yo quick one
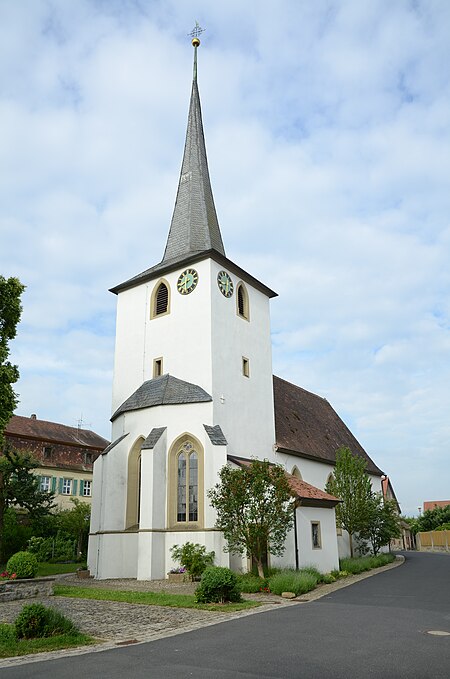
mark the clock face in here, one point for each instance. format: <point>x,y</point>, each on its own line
<point>187,281</point>
<point>225,283</point>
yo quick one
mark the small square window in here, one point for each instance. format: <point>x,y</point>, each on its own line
<point>315,535</point>
<point>245,367</point>
<point>88,458</point>
<point>67,487</point>
<point>157,367</point>
<point>87,488</point>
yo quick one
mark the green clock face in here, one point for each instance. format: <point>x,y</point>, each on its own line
<point>187,281</point>
<point>225,283</point>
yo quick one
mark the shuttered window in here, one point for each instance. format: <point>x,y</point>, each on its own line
<point>162,299</point>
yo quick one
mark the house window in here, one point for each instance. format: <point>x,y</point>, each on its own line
<point>157,367</point>
<point>48,450</point>
<point>186,482</point>
<point>245,367</point>
<point>67,487</point>
<point>88,458</point>
<point>87,488</point>
<point>242,302</point>
<point>44,484</point>
<point>160,300</point>
<point>315,535</point>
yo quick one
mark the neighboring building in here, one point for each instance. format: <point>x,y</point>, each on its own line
<point>432,504</point>
<point>66,455</point>
<point>406,540</point>
<point>193,391</point>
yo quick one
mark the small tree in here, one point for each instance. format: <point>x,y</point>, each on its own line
<point>351,484</point>
<point>11,290</point>
<point>75,522</point>
<point>19,487</point>
<point>254,508</point>
<point>383,522</point>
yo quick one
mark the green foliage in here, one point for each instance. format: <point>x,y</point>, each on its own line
<point>431,519</point>
<point>16,532</point>
<point>193,557</point>
<point>11,290</point>
<point>254,509</point>
<point>218,585</point>
<point>75,523</point>
<point>287,580</point>
<point>365,563</point>
<point>53,549</point>
<point>251,584</point>
<point>382,522</point>
<point>23,564</point>
<point>351,484</point>
<point>445,526</point>
<point>19,487</point>
<point>35,620</point>
<point>7,634</point>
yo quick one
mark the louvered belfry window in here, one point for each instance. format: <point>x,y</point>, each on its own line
<point>162,300</point>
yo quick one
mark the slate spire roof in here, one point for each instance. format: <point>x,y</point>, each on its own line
<point>194,227</point>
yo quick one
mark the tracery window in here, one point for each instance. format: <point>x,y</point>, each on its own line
<point>187,487</point>
<point>186,482</point>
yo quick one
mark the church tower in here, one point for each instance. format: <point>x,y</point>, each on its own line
<point>192,384</point>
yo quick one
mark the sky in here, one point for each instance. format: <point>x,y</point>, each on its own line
<point>327,126</point>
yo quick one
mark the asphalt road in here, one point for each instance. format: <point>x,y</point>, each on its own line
<point>378,627</point>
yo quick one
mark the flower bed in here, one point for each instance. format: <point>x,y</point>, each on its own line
<point>12,590</point>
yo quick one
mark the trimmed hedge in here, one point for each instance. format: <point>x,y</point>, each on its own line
<point>23,564</point>
<point>218,585</point>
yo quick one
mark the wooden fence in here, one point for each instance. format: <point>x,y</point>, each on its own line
<point>434,541</point>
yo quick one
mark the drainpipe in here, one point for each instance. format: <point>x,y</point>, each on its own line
<point>296,537</point>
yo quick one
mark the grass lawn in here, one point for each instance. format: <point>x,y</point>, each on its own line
<point>149,598</point>
<point>10,646</point>
<point>58,568</point>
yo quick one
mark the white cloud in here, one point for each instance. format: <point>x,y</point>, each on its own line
<point>328,133</point>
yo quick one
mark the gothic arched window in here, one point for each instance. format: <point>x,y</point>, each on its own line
<point>134,485</point>
<point>186,482</point>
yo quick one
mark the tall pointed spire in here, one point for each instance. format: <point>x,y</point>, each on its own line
<point>194,226</point>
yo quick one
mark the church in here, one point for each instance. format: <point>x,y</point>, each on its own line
<point>193,391</point>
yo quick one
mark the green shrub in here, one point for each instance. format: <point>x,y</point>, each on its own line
<point>328,578</point>
<point>365,563</point>
<point>35,620</point>
<point>251,584</point>
<point>218,585</point>
<point>7,633</point>
<point>312,570</point>
<point>23,564</point>
<point>193,557</point>
<point>298,582</point>
<point>54,549</point>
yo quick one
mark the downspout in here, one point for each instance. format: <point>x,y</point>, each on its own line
<point>296,505</point>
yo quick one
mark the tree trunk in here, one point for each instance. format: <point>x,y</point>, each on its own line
<point>351,544</point>
<point>259,564</point>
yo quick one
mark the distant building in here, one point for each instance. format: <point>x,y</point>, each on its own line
<point>432,504</point>
<point>65,454</point>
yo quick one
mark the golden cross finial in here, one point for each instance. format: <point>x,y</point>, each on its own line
<point>195,33</point>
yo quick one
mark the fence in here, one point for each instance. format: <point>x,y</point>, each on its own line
<point>434,541</point>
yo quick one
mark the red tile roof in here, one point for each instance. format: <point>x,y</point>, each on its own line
<point>432,504</point>
<point>307,494</point>
<point>306,425</point>
<point>32,428</point>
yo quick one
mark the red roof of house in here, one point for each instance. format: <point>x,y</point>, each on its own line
<point>32,428</point>
<point>307,494</point>
<point>432,504</point>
